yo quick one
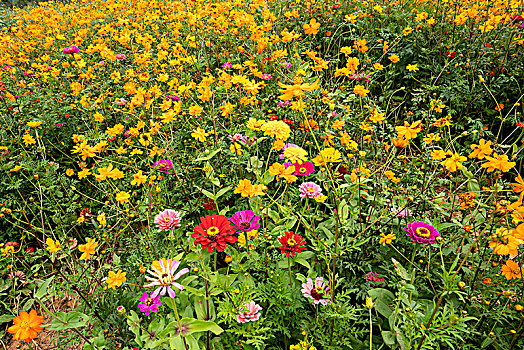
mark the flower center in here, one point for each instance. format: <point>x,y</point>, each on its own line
<point>246,224</point>
<point>317,293</point>
<point>422,232</point>
<point>167,218</point>
<point>311,190</point>
<point>149,302</point>
<point>213,231</point>
<point>25,324</point>
<point>302,170</point>
<point>291,242</point>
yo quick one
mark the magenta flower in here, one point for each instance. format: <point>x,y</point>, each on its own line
<point>250,311</point>
<point>318,292</point>
<point>266,77</point>
<point>167,220</point>
<point>226,65</point>
<point>164,277</point>
<point>374,277</point>
<point>423,233</point>
<point>309,190</point>
<point>70,50</point>
<point>245,221</point>
<point>163,165</point>
<point>305,168</point>
<point>149,304</point>
<point>120,56</point>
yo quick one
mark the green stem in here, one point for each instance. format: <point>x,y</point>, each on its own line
<point>173,303</point>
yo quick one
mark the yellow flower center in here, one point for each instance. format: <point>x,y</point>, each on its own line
<point>422,232</point>
<point>319,290</point>
<point>291,242</point>
<point>213,231</point>
<point>311,190</point>
<point>302,170</point>
<point>167,218</point>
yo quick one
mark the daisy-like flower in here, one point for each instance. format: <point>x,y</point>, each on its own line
<point>26,326</point>
<point>214,231</point>
<point>292,243</point>
<point>70,50</point>
<point>420,232</point>
<point>511,270</point>
<point>309,190</point>
<point>318,291</point>
<point>167,220</point>
<point>163,277</point>
<point>150,304</point>
<point>249,311</point>
<point>116,279</point>
<point>401,213</point>
<point>245,221</point>
<point>305,168</point>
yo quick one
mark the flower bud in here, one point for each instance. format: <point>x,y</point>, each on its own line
<point>121,310</point>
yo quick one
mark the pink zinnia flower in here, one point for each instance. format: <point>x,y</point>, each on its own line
<point>70,50</point>
<point>245,221</point>
<point>309,190</point>
<point>120,57</point>
<point>374,277</point>
<point>318,292</point>
<point>250,311</point>
<point>421,232</point>
<point>167,220</point>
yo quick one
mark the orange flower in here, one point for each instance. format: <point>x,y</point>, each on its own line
<point>26,326</point>
<point>511,270</point>
<point>360,90</point>
<point>518,186</point>
<point>499,162</point>
<point>312,27</point>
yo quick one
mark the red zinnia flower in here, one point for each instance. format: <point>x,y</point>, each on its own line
<point>292,243</point>
<point>214,231</point>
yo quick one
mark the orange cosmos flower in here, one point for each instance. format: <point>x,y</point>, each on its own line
<point>26,326</point>
<point>511,270</point>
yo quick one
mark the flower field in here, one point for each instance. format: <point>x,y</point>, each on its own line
<point>203,174</point>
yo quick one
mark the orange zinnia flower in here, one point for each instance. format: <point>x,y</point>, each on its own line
<point>26,326</point>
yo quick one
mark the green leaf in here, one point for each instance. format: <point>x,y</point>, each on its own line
<point>208,157</point>
<point>473,185</point>
<point>302,262</point>
<point>208,194</point>
<point>6,318</point>
<point>382,298</point>
<point>389,338</point>
<point>401,271</point>
<point>223,191</point>
<point>43,288</point>
<point>195,325</point>
<point>72,319</point>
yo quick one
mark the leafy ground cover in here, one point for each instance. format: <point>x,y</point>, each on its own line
<point>262,175</point>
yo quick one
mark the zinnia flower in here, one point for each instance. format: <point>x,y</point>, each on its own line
<point>70,50</point>
<point>310,190</point>
<point>374,277</point>
<point>245,221</point>
<point>164,277</point>
<point>250,311</point>
<point>318,292</point>
<point>421,232</point>
<point>149,304</point>
<point>26,326</point>
<point>292,243</point>
<point>167,220</point>
<point>305,168</point>
<point>163,166</point>
<point>214,231</point>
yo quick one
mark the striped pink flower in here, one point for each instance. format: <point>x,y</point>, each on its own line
<point>310,190</point>
<point>249,311</point>
<point>167,220</point>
